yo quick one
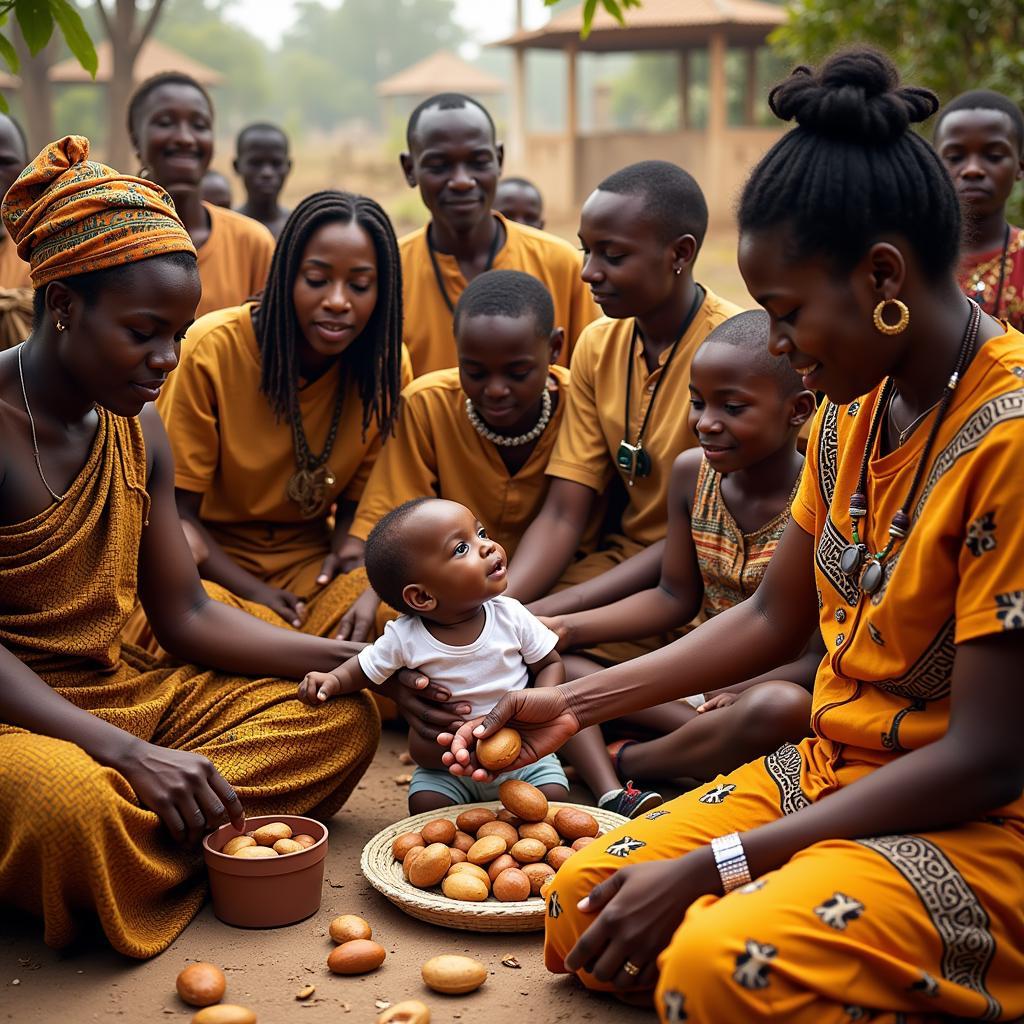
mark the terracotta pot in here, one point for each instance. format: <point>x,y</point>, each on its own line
<point>271,892</point>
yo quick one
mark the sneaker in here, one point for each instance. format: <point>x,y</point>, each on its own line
<point>631,802</point>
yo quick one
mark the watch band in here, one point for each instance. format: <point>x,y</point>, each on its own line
<point>731,861</point>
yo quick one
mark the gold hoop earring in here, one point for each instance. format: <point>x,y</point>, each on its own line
<point>61,326</point>
<point>897,328</point>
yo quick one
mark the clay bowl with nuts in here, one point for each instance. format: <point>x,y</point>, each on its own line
<point>484,866</point>
<point>270,875</point>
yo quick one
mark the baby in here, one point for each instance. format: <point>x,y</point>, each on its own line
<point>433,561</point>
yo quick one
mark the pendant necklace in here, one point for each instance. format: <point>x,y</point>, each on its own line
<point>512,442</point>
<point>855,561</point>
<point>311,483</point>
<point>58,498</point>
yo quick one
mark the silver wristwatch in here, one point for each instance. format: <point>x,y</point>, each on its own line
<point>731,861</point>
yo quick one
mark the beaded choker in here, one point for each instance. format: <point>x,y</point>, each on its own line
<point>512,442</point>
<point>855,561</point>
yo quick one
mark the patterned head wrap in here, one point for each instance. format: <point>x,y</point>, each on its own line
<point>69,215</point>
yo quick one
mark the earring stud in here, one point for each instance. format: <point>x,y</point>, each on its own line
<point>61,326</point>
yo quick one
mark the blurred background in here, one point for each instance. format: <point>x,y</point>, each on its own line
<point>684,80</point>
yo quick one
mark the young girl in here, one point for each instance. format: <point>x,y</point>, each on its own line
<point>170,119</point>
<point>878,867</point>
<point>980,138</point>
<point>728,506</point>
<point>641,230</point>
<point>277,410</point>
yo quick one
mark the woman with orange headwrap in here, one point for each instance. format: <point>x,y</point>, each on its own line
<point>108,764</point>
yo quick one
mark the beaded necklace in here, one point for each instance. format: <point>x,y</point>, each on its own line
<point>512,442</point>
<point>855,561</point>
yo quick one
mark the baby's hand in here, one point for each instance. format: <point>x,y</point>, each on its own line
<point>720,700</point>
<point>318,687</point>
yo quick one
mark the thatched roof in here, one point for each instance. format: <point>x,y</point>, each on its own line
<point>440,72</point>
<point>153,58</point>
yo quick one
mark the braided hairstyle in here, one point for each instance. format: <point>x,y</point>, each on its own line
<point>852,170</point>
<point>148,86</point>
<point>374,359</point>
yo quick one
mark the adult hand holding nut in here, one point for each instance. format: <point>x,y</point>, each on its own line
<point>542,717</point>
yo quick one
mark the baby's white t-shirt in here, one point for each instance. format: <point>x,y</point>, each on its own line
<point>478,673</point>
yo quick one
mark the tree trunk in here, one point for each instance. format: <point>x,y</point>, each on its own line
<point>36,93</point>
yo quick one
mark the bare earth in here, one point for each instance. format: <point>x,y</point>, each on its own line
<point>265,969</point>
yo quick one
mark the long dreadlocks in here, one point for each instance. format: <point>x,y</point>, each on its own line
<point>374,359</point>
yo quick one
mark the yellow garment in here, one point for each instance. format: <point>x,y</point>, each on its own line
<point>73,838</point>
<point>593,427</point>
<point>15,316</point>
<point>428,320</point>
<point>932,923</point>
<point>229,447</point>
<point>70,215</point>
<point>892,929</point>
<point>234,259</point>
<point>437,451</point>
<point>14,271</point>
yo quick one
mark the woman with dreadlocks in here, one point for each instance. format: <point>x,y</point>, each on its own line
<point>277,410</point>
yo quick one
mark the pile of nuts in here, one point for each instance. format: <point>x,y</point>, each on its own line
<point>509,855</point>
<point>273,840</point>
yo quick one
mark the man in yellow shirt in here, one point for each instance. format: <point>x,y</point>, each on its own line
<point>626,417</point>
<point>455,161</point>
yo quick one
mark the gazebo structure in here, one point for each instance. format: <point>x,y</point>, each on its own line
<point>443,71</point>
<point>154,57</point>
<point>718,152</point>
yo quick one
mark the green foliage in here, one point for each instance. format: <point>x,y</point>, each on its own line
<point>615,8</point>
<point>36,19</point>
<point>945,45</point>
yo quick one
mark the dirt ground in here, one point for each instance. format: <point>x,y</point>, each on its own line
<point>265,969</point>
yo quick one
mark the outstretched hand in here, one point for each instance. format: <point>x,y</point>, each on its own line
<point>542,717</point>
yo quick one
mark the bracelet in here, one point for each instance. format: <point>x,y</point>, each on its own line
<point>731,861</point>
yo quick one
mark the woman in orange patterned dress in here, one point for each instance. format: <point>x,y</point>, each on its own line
<point>875,871</point>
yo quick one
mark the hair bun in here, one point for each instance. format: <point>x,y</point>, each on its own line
<point>855,96</point>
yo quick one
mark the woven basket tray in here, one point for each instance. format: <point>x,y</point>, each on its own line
<point>384,873</point>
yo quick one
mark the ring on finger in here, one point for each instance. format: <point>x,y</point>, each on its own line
<point>631,968</point>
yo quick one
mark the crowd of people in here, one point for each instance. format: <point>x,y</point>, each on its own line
<point>474,477</point>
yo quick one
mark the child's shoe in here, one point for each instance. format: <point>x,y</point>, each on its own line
<point>630,802</point>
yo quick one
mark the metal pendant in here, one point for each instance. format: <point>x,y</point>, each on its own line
<point>309,489</point>
<point>851,558</point>
<point>873,577</point>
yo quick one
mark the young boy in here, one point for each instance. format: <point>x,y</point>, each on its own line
<point>728,504</point>
<point>979,136</point>
<point>263,164</point>
<point>433,561</point>
<point>641,231</point>
<point>481,434</point>
<point>455,160</point>
<point>519,200</point>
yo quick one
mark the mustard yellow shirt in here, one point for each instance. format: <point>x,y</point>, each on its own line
<point>428,322</point>
<point>593,427</point>
<point>13,269</point>
<point>234,259</point>
<point>227,444</point>
<point>436,451</point>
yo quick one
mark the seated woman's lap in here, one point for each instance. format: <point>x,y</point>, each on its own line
<point>915,924</point>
